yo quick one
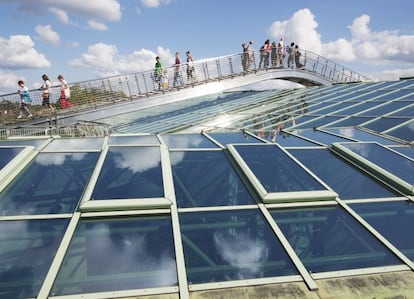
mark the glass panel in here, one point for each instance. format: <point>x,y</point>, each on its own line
<point>351,121</point>
<point>386,159</point>
<point>356,108</point>
<point>319,122</point>
<point>275,170</point>
<point>187,141</point>
<point>408,112</point>
<point>408,151</point>
<point>233,137</point>
<point>329,239</point>
<point>28,142</point>
<point>343,178</point>
<point>361,135</point>
<point>321,137</point>
<point>52,183</point>
<point>130,172</point>
<point>27,249</point>
<point>206,178</point>
<point>384,109</point>
<point>394,220</point>
<point>7,154</point>
<point>383,124</point>
<point>128,140</point>
<point>285,139</point>
<point>75,144</point>
<point>231,245</point>
<point>405,132</point>
<point>118,254</point>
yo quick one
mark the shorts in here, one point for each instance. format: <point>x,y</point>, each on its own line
<point>46,100</point>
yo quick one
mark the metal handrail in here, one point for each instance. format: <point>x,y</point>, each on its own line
<point>91,94</point>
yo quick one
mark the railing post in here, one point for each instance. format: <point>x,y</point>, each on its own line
<point>218,69</point>
<point>145,84</point>
<point>231,66</point>
<point>137,83</point>
<point>206,73</point>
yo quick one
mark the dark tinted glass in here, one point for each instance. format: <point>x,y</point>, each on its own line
<point>27,248</point>
<point>130,172</point>
<point>329,239</point>
<point>7,154</point>
<point>118,254</point>
<point>231,245</point>
<point>343,178</point>
<point>52,183</point>
<point>206,178</point>
<point>275,170</point>
<point>394,220</point>
<point>187,141</point>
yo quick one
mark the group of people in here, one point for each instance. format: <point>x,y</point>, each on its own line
<point>161,73</point>
<point>26,101</point>
<point>272,54</point>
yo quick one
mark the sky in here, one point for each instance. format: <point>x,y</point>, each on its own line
<point>89,39</point>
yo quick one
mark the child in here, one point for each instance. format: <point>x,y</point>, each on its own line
<point>24,100</point>
<point>164,80</point>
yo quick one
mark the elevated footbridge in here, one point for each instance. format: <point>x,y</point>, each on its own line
<point>96,99</point>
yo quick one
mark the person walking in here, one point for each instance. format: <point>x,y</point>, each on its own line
<point>64,93</point>
<point>25,100</point>
<point>281,52</point>
<point>291,55</point>
<point>250,55</point>
<point>178,78</point>
<point>46,94</point>
<point>158,71</point>
<point>297,57</point>
<point>190,68</point>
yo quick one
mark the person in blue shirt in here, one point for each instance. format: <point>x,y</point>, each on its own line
<point>25,100</point>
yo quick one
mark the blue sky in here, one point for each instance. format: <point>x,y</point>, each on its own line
<point>88,39</point>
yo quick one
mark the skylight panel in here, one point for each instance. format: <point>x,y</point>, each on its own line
<point>276,176</point>
<point>396,169</point>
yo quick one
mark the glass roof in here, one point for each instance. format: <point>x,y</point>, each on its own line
<point>227,190</point>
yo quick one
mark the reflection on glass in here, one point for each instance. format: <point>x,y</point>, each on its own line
<point>27,249</point>
<point>329,239</point>
<point>7,154</point>
<point>187,141</point>
<point>206,178</point>
<point>321,137</point>
<point>118,254</point>
<point>394,220</point>
<point>233,137</point>
<point>128,140</point>
<point>348,182</point>
<point>52,183</point>
<point>275,170</point>
<point>359,135</point>
<point>24,142</point>
<point>386,159</point>
<point>75,144</point>
<point>231,245</point>
<point>130,172</point>
<point>405,132</point>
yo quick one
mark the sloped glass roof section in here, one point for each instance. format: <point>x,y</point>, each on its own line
<point>27,248</point>
<point>75,144</point>
<point>329,239</point>
<point>187,141</point>
<point>349,183</point>
<point>130,174</point>
<point>7,154</point>
<point>276,176</point>
<point>394,220</point>
<point>231,245</point>
<point>52,183</point>
<point>397,169</point>
<point>138,253</point>
<point>206,178</point>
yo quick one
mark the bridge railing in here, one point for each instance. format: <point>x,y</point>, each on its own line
<point>110,90</point>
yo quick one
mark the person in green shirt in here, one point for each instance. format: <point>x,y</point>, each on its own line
<point>158,71</point>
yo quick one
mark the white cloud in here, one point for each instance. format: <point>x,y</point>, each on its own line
<point>107,10</point>
<point>47,34</point>
<point>8,82</point>
<point>60,14</point>
<point>97,25</point>
<point>105,60</point>
<point>154,3</point>
<point>367,47</point>
<point>19,52</point>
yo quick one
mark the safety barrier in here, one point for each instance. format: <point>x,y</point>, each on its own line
<point>91,94</point>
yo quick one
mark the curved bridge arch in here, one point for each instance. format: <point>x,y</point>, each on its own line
<point>109,96</point>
